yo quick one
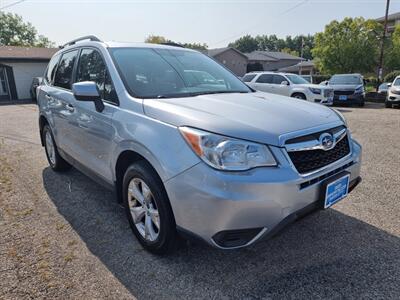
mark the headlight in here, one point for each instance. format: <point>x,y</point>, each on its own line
<point>359,90</point>
<point>225,153</point>
<point>340,115</point>
<point>315,91</point>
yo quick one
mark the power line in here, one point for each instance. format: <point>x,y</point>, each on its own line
<point>12,4</point>
<point>250,28</point>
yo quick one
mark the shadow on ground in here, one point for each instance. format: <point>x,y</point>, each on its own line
<point>327,254</point>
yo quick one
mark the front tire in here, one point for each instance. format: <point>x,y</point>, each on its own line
<point>56,162</point>
<point>148,209</point>
<point>299,96</point>
<point>388,105</point>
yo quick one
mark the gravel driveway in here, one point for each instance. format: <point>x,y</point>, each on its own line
<point>64,236</point>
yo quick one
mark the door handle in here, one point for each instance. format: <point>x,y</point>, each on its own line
<point>70,108</point>
<point>48,97</point>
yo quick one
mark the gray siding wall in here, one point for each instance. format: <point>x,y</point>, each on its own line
<point>233,61</point>
<point>275,65</point>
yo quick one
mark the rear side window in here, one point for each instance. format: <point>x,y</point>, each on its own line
<point>91,67</point>
<point>278,79</point>
<point>63,77</point>
<point>265,78</point>
<point>248,77</point>
<point>51,68</point>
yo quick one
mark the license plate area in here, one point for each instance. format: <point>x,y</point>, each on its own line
<point>342,97</point>
<point>335,189</point>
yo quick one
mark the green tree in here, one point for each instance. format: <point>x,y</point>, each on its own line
<point>15,32</point>
<point>392,54</point>
<point>245,44</point>
<point>158,39</point>
<point>348,46</point>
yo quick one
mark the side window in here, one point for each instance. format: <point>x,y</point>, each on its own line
<point>63,76</point>
<point>248,77</point>
<point>278,79</point>
<point>51,68</point>
<point>265,78</point>
<point>91,67</point>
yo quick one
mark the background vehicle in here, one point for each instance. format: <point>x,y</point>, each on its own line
<point>308,78</point>
<point>383,88</point>
<point>288,84</point>
<point>190,153</point>
<point>393,94</point>
<point>36,81</point>
<point>348,89</point>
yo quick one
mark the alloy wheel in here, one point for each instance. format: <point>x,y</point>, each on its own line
<point>143,209</point>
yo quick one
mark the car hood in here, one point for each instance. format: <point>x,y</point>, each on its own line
<point>344,87</point>
<point>311,85</point>
<point>259,117</point>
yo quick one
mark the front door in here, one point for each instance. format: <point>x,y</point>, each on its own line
<point>4,90</point>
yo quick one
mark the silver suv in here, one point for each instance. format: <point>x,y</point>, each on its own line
<point>189,149</point>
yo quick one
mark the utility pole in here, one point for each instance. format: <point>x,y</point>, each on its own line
<point>382,46</point>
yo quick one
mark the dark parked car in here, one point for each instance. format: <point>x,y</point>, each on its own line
<point>36,81</point>
<point>348,89</point>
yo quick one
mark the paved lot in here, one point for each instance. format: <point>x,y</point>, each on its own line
<point>64,235</point>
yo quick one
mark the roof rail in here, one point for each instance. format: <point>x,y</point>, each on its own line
<point>87,37</point>
<point>172,44</point>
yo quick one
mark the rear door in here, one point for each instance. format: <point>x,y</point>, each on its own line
<point>61,100</point>
<point>264,83</point>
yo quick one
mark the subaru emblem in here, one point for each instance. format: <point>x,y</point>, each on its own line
<point>327,141</point>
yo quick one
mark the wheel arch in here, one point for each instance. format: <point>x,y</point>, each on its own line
<point>42,122</point>
<point>126,158</point>
<point>298,93</point>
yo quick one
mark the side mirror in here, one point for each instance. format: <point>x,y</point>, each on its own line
<point>285,82</point>
<point>389,84</point>
<point>88,91</point>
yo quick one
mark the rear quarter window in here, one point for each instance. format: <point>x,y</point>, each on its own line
<point>248,77</point>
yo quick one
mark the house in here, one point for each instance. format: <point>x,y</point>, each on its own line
<point>270,60</point>
<point>302,68</point>
<point>233,59</point>
<point>392,21</point>
<point>18,66</point>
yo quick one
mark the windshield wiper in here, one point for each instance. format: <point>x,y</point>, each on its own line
<point>218,92</point>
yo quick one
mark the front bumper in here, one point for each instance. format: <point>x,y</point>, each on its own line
<point>350,99</point>
<point>211,204</point>
<point>393,98</point>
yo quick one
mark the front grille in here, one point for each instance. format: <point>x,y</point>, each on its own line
<point>337,93</point>
<point>328,93</point>
<point>310,160</point>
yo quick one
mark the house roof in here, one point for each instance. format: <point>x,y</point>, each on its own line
<point>271,56</point>
<point>296,67</point>
<point>217,51</point>
<point>391,17</point>
<point>26,53</point>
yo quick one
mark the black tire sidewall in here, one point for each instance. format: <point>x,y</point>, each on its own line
<point>46,129</point>
<point>166,239</point>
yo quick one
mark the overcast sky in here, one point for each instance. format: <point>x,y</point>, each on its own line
<point>213,22</point>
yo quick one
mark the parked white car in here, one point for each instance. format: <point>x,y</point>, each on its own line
<point>393,94</point>
<point>288,84</point>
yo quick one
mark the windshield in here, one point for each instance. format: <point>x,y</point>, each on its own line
<point>345,79</point>
<point>296,79</point>
<point>383,86</point>
<point>397,81</point>
<point>166,73</point>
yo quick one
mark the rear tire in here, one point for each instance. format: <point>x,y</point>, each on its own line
<point>148,209</point>
<point>299,96</point>
<point>56,162</point>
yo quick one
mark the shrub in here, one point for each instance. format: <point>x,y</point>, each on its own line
<point>317,79</point>
<point>391,76</point>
